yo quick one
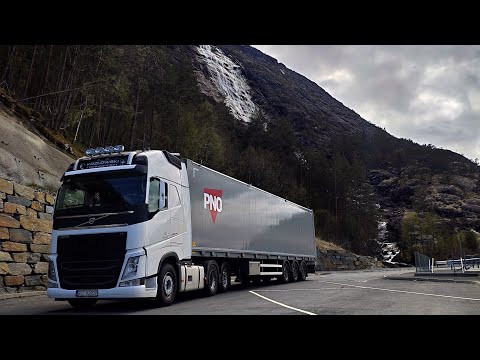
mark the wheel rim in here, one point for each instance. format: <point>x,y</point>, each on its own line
<point>225,279</point>
<point>295,271</point>
<point>212,280</point>
<point>285,272</point>
<point>303,270</point>
<point>168,284</point>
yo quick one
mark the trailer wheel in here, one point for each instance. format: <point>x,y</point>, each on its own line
<point>303,270</point>
<point>285,278</point>
<point>295,271</point>
<point>211,271</point>
<point>224,283</point>
<point>166,285</point>
<point>82,304</point>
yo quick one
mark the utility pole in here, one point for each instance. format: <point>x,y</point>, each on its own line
<point>461,258</point>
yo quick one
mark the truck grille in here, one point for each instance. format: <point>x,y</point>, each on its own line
<point>91,261</point>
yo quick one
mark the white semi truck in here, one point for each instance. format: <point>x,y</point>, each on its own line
<point>147,224</point>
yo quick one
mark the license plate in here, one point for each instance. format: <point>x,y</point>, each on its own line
<point>87,293</point>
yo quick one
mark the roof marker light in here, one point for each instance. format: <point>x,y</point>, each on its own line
<point>99,151</point>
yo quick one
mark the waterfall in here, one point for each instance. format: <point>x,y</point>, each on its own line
<point>228,79</point>
<point>389,249</point>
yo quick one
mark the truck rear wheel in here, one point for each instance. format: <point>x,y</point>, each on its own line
<point>82,304</point>
<point>303,270</point>
<point>285,277</point>
<point>211,271</point>
<point>224,283</point>
<point>166,285</point>
<point>295,271</point>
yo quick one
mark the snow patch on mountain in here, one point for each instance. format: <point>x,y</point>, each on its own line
<point>228,79</point>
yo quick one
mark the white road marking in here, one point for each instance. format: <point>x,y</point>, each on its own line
<point>273,290</point>
<point>400,291</point>
<point>279,303</point>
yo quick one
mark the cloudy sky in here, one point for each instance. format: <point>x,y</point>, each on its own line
<point>430,94</point>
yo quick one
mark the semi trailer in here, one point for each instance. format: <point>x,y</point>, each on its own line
<point>149,224</point>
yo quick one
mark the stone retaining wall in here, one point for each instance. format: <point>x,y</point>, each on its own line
<point>344,260</point>
<point>25,237</point>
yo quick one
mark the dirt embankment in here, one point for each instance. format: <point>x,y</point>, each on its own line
<point>26,158</point>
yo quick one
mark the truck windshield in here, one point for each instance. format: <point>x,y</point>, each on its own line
<point>100,193</point>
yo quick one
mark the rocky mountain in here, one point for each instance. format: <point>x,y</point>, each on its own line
<point>413,176</point>
<point>242,112</point>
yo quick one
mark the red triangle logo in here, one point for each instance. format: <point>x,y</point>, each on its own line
<point>216,193</point>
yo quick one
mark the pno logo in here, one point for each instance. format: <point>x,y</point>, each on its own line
<point>212,198</point>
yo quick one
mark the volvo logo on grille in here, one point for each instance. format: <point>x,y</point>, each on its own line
<point>91,221</point>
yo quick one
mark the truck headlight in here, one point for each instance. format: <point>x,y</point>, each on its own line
<point>131,268</point>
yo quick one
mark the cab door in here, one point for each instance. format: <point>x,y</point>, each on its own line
<point>177,221</point>
<point>159,227</point>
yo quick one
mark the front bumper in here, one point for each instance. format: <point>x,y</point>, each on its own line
<point>115,293</point>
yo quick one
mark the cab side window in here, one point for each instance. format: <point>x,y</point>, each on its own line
<point>154,195</point>
<point>163,195</point>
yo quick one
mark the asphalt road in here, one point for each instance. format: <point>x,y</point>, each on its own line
<point>336,293</point>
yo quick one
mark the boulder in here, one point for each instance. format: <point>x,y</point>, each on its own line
<point>14,280</point>
<point>32,224</point>
<point>4,234</point>
<point>13,246</point>
<point>20,235</point>
<point>23,191</point>
<point>40,197</point>
<point>11,208</point>
<point>8,221</point>
<point>19,200</point>
<point>37,206</point>
<point>19,269</point>
<point>6,186</point>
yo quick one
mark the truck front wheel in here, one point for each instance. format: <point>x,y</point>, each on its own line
<point>166,285</point>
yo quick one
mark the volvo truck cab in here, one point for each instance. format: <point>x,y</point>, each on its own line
<point>118,215</point>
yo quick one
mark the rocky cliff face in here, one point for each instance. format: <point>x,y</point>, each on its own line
<point>453,197</point>
<point>281,92</point>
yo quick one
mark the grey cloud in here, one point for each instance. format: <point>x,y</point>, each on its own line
<point>430,94</point>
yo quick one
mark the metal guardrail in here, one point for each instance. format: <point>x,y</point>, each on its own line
<point>463,263</point>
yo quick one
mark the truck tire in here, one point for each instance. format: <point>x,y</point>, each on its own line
<point>167,285</point>
<point>285,277</point>
<point>82,304</point>
<point>303,270</point>
<point>211,274</point>
<point>295,271</point>
<point>224,283</point>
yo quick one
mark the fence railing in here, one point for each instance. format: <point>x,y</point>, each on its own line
<point>461,263</point>
<point>423,263</point>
